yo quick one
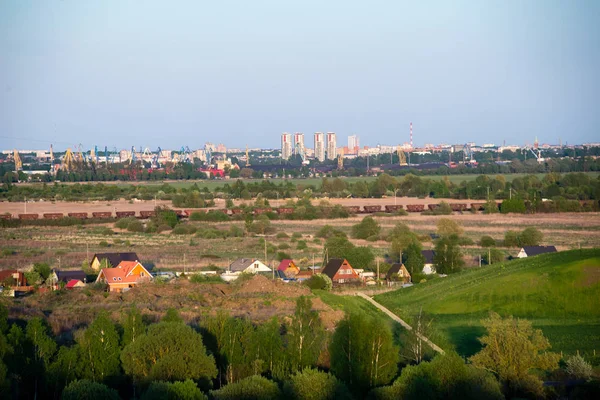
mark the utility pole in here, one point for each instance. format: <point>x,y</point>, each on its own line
<point>510,193</point>
<point>480,261</point>
<point>489,256</point>
<point>184,263</point>
<point>488,193</point>
<point>25,205</point>
<point>378,271</point>
<point>87,252</point>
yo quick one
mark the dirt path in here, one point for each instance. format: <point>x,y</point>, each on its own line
<point>401,322</point>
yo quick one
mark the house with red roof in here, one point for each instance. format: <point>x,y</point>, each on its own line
<point>126,275</point>
<point>289,268</point>
<point>74,283</point>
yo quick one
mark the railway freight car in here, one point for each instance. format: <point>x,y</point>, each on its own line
<point>371,209</point>
<point>79,215</point>
<point>102,214</point>
<point>394,208</point>
<point>147,214</point>
<point>53,215</point>
<point>28,217</point>
<point>123,214</point>
<point>352,209</point>
<point>415,207</point>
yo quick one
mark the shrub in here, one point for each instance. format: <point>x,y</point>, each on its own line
<point>490,207</point>
<point>254,387</point>
<point>88,390</point>
<point>135,226</point>
<point>578,368</point>
<point>184,229</point>
<point>186,390</point>
<point>103,243</point>
<point>319,282</point>
<point>442,209</point>
<point>163,228</point>
<point>367,227</point>
<point>514,205</point>
<point>282,256</point>
<point>301,245</point>
<point>327,231</point>
<point>283,246</point>
<point>124,222</point>
<point>8,252</point>
<point>296,235</point>
<point>530,237</point>
<point>196,216</point>
<point>373,238</point>
<point>306,384</point>
<point>492,256</point>
<point>282,235</point>
<point>511,239</point>
<point>487,241</point>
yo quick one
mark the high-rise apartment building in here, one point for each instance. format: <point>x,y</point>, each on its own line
<point>320,146</point>
<point>298,143</point>
<point>352,142</point>
<point>286,145</point>
<point>331,146</point>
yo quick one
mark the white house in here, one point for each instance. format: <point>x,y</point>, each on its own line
<point>244,265</point>
<point>428,268</point>
<point>529,251</point>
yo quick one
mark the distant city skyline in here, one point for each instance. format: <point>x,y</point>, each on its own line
<point>119,73</point>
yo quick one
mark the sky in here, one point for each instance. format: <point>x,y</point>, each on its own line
<point>122,73</point>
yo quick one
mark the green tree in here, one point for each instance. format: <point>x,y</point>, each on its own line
<point>448,255</point>
<point>43,270</point>
<point>133,326</point>
<point>64,369</point>
<point>266,350</point>
<point>514,205</point>
<point>88,390</point>
<point>252,388</point>
<point>366,228</point>
<point>487,241</point>
<point>530,237</point>
<point>172,315</point>
<point>492,256</point>
<point>169,351</point>
<point>100,350</point>
<point>415,260</point>
<point>186,390</point>
<point>312,384</point>
<point>511,239</point>
<point>44,348</point>
<point>445,377</point>
<point>448,227</point>
<point>305,335</point>
<point>512,349</point>
<point>363,353</point>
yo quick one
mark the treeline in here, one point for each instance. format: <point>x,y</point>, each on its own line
<point>223,357</point>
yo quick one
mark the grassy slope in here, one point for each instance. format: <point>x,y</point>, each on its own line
<point>552,290</point>
<point>352,304</point>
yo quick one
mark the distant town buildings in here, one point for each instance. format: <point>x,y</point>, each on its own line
<point>353,144</point>
<point>221,148</point>
<point>331,146</point>
<point>299,143</point>
<point>320,146</point>
<point>286,145</point>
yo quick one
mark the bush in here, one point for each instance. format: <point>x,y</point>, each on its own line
<point>530,237</point>
<point>135,226</point>
<point>123,223</point>
<point>511,239</point>
<point>103,243</point>
<point>367,227</point>
<point>442,209</point>
<point>327,231</point>
<point>282,235</point>
<point>301,245</point>
<point>319,282</point>
<point>163,228</point>
<point>196,216</point>
<point>578,368</point>
<point>296,235</point>
<point>283,256</point>
<point>514,205</point>
<point>490,207</point>
<point>314,384</point>
<point>186,390</point>
<point>492,256</point>
<point>283,246</point>
<point>373,238</point>
<point>184,229</point>
<point>88,390</point>
<point>487,241</point>
<point>254,387</point>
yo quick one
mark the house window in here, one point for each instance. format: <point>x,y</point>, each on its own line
<point>114,279</point>
<point>340,280</point>
<point>256,266</point>
<point>142,274</point>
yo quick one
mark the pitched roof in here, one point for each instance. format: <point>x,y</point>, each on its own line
<point>241,264</point>
<point>122,273</point>
<point>394,269</point>
<point>429,255</point>
<point>66,276</point>
<point>8,273</point>
<point>285,264</point>
<point>72,283</point>
<point>115,258</point>
<point>535,250</point>
<point>332,267</point>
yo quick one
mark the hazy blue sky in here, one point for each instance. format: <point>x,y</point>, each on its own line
<point>172,73</point>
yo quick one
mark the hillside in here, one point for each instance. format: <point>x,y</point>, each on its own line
<point>559,293</point>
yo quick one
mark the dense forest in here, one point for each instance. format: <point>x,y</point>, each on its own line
<point>222,357</point>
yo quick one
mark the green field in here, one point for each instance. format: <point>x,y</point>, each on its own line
<point>212,184</point>
<point>559,293</point>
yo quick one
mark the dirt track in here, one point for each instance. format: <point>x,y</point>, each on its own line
<point>41,207</point>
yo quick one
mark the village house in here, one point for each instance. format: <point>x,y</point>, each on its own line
<point>244,265</point>
<point>11,278</point>
<point>64,277</point>
<point>112,259</point>
<point>397,273</point>
<point>428,268</point>
<point>75,283</point>
<point>530,251</point>
<point>340,271</point>
<point>288,267</point>
<point>126,275</point>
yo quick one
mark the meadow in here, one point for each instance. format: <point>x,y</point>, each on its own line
<point>559,293</point>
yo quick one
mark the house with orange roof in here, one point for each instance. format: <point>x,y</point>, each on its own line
<point>288,267</point>
<point>126,275</point>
